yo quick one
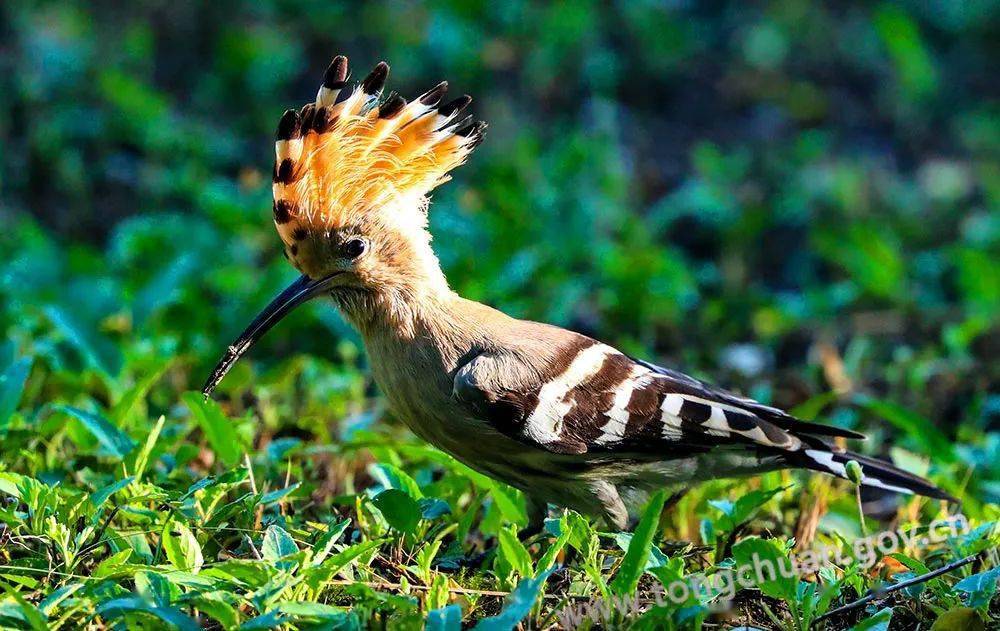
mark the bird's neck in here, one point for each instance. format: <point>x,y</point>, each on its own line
<point>425,311</point>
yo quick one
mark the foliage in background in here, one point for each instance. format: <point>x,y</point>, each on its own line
<point>799,201</point>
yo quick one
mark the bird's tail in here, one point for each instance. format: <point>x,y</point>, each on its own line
<point>875,473</point>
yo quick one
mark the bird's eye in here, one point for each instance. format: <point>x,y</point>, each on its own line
<point>355,248</point>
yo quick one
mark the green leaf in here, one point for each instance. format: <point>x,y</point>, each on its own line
<point>277,545</point>
<point>142,458</point>
<point>49,604</point>
<point>253,573</point>
<point>215,606</point>
<point>432,507</point>
<point>956,619</point>
<point>550,555</point>
<point>100,496</point>
<point>153,587</point>
<point>31,614</point>
<point>97,351</point>
<point>517,605</point>
<point>764,561</point>
<point>218,429</point>
<point>230,477</point>
<point>112,564</point>
<point>878,622</point>
<point>324,544</point>
<point>115,441</point>
<point>12,386</point>
<point>735,513</point>
<point>269,620</point>
<point>119,607</point>
<point>392,477</point>
<point>912,62</point>
<point>444,619</point>
<point>515,553</point>
<point>634,563</point>
<point>399,509</point>
<point>181,547</point>
<point>305,615</point>
<point>437,595</point>
<point>980,587</point>
<point>506,500</point>
<point>319,575</point>
<point>133,395</point>
<point>313,610</point>
<point>278,494</point>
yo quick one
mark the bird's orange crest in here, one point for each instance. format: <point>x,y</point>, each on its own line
<point>340,158</point>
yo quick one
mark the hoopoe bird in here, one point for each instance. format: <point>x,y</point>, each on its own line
<point>562,417</point>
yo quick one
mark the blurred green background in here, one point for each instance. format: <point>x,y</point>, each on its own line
<point>790,198</point>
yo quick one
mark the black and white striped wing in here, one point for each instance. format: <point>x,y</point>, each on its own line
<point>596,400</point>
<point>599,399</point>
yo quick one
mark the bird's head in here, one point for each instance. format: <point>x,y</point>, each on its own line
<point>351,178</point>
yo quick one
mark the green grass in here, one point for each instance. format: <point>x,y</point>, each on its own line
<point>295,501</point>
<point>797,204</point>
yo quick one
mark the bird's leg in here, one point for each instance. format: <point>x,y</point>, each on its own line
<point>611,502</point>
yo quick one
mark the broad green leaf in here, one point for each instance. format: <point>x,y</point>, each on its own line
<point>956,619</point>
<point>392,477</point>
<point>656,556</point>
<point>101,495</point>
<point>634,563</point>
<point>517,605</point>
<point>110,437</point>
<point>142,458</point>
<point>181,547</point>
<point>112,564</point>
<point>12,386</point>
<point>49,604</point>
<point>515,553</point>
<point>424,558</point>
<point>154,588</point>
<point>214,605</point>
<point>277,545</point>
<point>437,595</point>
<point>253,573</point>
<point>980,587</point>
<point>432,507</point>
<point>444,619</point>
<point>234,476</point>
<point>278,494</point>
<point>399,509</point>
<point>550,555</point>
<point>218,429</point>
<point>121,410</point>
<point>347,556</point>
<point>912,62</point>
<point>305,615</point>
<point>735,513</point>
<point>114,609</point>
<point>317,576</point>
<point>270,620</point>
<point>878,622</point>
<point>96,350</point>
<point>506,499</point>
<point>324,544</point>
<point>770,567</point>
<point>313,610</point>
<point>35,618</point>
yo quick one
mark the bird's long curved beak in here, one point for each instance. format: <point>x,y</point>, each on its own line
<point>302,290</point>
